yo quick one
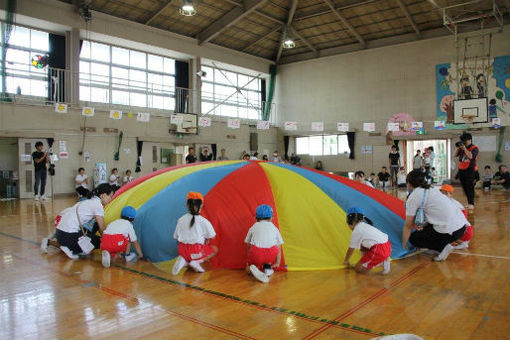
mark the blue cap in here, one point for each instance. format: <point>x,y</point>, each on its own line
<point>355,210</point>
<point>264,211</point>
<point>128,212</point>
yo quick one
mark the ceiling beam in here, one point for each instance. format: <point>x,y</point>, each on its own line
<point>290,17</point>
<point>263,37</point>
<point>408,16</point>
<point>345,22</point>
<point>159,11</point>
<point>227,20</point>
<point>307,43</point>
<point>345,6</point>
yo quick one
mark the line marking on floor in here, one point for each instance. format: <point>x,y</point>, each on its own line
<point>93,284</point>
<point>275,309</point>
<point>482,255</point>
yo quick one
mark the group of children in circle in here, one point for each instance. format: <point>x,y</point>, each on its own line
<point>81,181</point>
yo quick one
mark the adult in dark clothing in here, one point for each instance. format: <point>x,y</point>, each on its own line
<point>502,177</point>
<point>191,158</point>
<point>40,159</point>
<point>205,156</point>
<point>394,160</point>
<point>467,154</point>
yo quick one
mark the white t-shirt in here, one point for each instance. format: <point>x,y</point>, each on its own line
<point>440,211</point>
<point>86,209</point>
<point>81,178</point>
<point>127,179</point>
<point>401,178</point>
<point>114,180</point>
<point>264,234</point>
<point>366,182</point>
<point>367,236</point>
<point>123,227</point>
<point>253,158</point>
<point>198,233</point>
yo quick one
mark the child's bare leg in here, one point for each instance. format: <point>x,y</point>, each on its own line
<point>128,249</point>
<point>212,255</point>
<point>359,268</point>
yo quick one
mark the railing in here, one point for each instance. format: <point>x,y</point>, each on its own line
<point>46,86</point>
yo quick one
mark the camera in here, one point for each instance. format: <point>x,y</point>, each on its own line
<point>459,143</point>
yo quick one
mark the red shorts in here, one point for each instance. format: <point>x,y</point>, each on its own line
<point>116,243</point>
<point>468,234</point>
<point>260,256</point>
<point>194,252</point>
<point>376,255</point>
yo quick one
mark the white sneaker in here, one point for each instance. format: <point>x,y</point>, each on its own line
<point>386,266</point>
<point>131,257</point>
<point>44,197</point>
<point>443,255</point>
<point>269,271</point>
<point>178,265</point>
<point>258,274</point>
<point>69,253</point>
<point>105,258</point>
<point>36,197</point>
<point>462,245</point>
<point>44,245</point>
<point>196,266</point>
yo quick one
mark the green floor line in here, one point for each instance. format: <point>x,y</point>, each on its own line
<point>232,297</point>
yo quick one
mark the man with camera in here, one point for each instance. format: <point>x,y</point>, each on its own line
<point>40,159</point>
<point>467,154</point>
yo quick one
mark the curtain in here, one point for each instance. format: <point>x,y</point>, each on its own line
<point>214,150</point>
<point>269,101</point>
<point>181,86</point>
<point>286,140</point>
<point>139,145</point>
<point>56,60</point>
<point>350,141</point>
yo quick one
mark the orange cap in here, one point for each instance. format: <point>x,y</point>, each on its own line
<point>447,188</point>
<point>194,196</point>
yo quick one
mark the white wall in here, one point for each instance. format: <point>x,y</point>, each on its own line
<point>370,86</point>
<point>9,154</point>
<point>37,123</point>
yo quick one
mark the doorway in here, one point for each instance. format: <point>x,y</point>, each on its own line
<point>9,169</point>
<point>442,161</point>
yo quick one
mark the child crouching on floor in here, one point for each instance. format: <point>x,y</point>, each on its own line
<point>193,232</point>
<point>373,243</point>
<point>264,245</point>
<point>118,237</point>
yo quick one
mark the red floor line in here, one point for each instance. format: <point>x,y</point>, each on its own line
<point>368,300</point>
<point>134,299</point>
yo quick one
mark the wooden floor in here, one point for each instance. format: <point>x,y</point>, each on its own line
<point>52,297</point>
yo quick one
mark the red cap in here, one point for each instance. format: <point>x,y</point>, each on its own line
<point>447,188</point>
<point>194,196</point>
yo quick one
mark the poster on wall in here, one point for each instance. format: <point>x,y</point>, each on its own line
<point>366,149</point>
<point>204,122</point>
<point>115,114</point>
<point>393,127</point>
<point>88,111</point>
<point>318,126</point>
<point>176,119</point>
<point>233,123</point>
<point>496,123</point>
<point>417,126</point>
<point>404,121</point>
<point>439,125</point>
<point>100,173</point>
<point>369,127</point>
<point>262,125</point>
<point>474,79</point>
<point>342,127</point>
<point>290,126</point>
<point>60,108</point>
<point>507,146</point>
<point>143,117</point>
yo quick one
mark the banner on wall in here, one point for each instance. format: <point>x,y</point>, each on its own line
<point>115,114</point>
<point>290,126</point>
<point>342,127</point>
<point>233,123</point>
<point>393,127</point>
<point>318,126</point>
<point>100,173</point>
<point>369,127</point>
<point>143,117</point>
<point>87,111</point>
<point>60,108</point>
<point>263,125</point>
<point>204,122</point>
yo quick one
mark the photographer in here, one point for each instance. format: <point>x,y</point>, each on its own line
<point>40,159</point>
<point>467,154</point>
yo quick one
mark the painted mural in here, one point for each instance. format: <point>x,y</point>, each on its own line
<point>481,78</point>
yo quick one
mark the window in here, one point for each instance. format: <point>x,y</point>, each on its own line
<point>322,145</point>
<point>116,75</point>
<point>227,93</point>
<point>21,77</point>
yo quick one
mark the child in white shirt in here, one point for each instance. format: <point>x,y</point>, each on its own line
<point>128,178</point>
<point>264,245</point>
<point>118,237</point>
<point>81,182</point>
<point>193,232</point>
<point>373,243</point>
<point>114,179</point>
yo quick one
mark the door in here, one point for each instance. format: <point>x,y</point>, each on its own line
<point>442,161</point>
<point>26,168</point>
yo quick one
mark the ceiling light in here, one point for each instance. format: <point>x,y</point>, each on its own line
<point>187,9</point>
<point>289,43</point>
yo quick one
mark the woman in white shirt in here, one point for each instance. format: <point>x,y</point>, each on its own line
<point>81,182</point>
<point>69,228</point>
<point>444,222</point>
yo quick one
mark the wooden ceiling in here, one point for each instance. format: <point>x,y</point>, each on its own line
<point>318,27</point>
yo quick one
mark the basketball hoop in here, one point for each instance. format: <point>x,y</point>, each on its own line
<point>468,118</point>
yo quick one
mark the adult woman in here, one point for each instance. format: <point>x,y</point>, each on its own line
<point>69,228</point>
<point>444,224</point>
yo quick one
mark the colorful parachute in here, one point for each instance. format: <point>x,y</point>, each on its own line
<point>309,208</point>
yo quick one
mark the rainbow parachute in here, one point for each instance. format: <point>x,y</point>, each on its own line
<point>309,208</point>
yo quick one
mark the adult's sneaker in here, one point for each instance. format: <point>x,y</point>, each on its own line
<point>178,265</point>
<point>44,197</point>
<point>262,277</point>
<point>36,197</point>
<point>196,266</point>
<point>386,266</point>
<point>69,253</point>
<point>443,255</point>
<point>105,258</point>
<point>44,245</point>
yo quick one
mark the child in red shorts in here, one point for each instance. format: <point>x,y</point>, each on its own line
<point>463,242</point>
<point>193,232</point>
<point>373,243</point>
<point>264,245</point>
<point>118,237</point>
